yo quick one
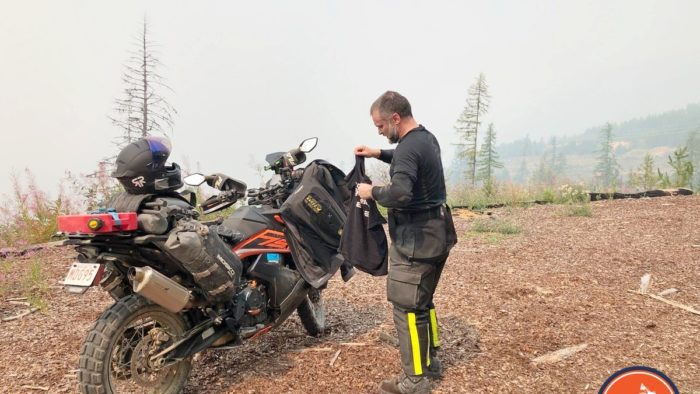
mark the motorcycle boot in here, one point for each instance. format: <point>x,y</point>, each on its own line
<point>434,369</point>
<point>404,384</point>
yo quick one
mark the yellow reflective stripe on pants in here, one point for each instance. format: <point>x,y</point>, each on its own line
<point>434,326</point>
<point>427,352</point>
<point>415,344</point>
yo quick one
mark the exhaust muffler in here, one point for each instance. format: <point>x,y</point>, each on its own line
<point>160,289</point>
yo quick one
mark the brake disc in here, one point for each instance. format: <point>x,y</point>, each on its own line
<point>144,371</point>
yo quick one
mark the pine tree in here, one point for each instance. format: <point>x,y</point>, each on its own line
<point>645,178</point>
<point>142,110</point>
<point>607,171</point>
<point>683,169</point>
<point>488,158</point>
<point>557,159</point>
<point>693,145</point>
<point>469,122</point>
<point>552,165</point>
<point>523,171</point>
<point>542,175</point>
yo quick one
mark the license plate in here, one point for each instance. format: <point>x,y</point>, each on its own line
<point>82,274</point>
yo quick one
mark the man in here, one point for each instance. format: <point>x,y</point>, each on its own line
<point>422,234</point>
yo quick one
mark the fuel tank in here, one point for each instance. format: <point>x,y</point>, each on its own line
<point>259,229</point>
<point>249,220</point>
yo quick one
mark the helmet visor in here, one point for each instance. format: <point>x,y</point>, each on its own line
<point>160,147</point>
<point>160,150</point>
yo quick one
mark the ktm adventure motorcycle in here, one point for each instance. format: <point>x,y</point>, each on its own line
<point>170,306</point>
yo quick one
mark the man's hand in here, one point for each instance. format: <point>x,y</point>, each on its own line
<point>364,190</point>
<point>366,151</point>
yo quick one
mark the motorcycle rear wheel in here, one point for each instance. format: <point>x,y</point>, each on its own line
<point>312,313</point>
<point>115,355</point>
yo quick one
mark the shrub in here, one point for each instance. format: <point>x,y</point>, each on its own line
<point>95,189</point>
<point>29,216</point>
<point>480,198</point>
<point>572,194</point>
<point>35,286</point>
<point>514,195</point>
<point>547,194</point>
<point>576,200</point>
<point>466,196</point>
<point>583,210</point>
<point>494,226</point>
<point>5,269</point>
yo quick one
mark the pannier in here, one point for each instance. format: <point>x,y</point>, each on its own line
<point>315,216</point>
<point>214,267</point>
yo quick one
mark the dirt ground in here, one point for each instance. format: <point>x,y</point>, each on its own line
<point>503,301</point>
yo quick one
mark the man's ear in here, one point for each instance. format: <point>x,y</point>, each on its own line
<point>396,118</point>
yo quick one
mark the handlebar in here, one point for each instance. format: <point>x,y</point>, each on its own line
<point>282,163</point>
<point>267,196</point>
<point>277,193</point>
<point>222,200</point>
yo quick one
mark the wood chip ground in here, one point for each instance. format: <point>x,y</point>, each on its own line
<point>503,301</point>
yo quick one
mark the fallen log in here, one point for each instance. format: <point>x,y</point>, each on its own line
<point>313,349</point>
<point>21,315</point>
<point>669,302</point>
<point>666,292</point>
<point>353,344</point>
<point>595,196</point>
<point>41,388</point>
<point>558,355</point>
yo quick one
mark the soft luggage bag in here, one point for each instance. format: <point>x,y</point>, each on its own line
<point>315,218</point>
<point>214,267</point>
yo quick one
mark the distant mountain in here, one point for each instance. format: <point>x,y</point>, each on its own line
<point>657,134</point>
<point>667,129</point>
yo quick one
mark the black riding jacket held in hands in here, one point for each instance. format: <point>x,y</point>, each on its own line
<point>417,179</point>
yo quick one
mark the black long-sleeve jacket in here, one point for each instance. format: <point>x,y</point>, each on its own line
<point>420,223</point>
<point>417,178</point>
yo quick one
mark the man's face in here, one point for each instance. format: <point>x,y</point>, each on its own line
<point>387,126</point>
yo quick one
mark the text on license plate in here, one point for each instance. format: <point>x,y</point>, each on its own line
<point>81,274</point>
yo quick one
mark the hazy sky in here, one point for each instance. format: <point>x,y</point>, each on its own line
<point>250,78</point>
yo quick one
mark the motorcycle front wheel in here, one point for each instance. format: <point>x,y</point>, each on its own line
<point>116,355</point>
<point>312,313</point>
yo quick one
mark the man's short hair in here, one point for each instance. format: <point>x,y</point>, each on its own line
<point>392,102</point>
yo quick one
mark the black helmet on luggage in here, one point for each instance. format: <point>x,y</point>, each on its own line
<point>141,167</point>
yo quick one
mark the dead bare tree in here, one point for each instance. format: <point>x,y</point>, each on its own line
<point>469,121</point>
<point>143,110</point>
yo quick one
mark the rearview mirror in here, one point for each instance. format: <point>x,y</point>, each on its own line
<point>194,179</point>
<point>308,144</point>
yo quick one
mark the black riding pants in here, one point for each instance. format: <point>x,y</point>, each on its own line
<point>410,288</point>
